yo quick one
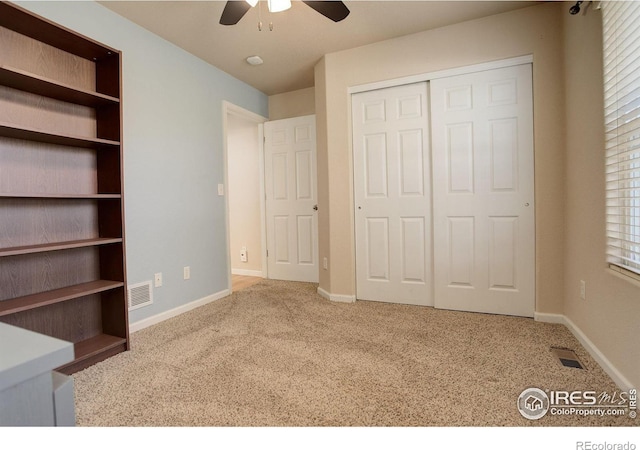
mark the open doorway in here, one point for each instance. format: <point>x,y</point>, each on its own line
<point>244,183</point>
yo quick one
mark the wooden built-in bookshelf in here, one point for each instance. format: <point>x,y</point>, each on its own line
<point>62,254</point>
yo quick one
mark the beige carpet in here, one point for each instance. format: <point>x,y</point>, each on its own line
<point>278,354</point>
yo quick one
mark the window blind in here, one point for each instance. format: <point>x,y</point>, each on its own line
<point>621,40</point>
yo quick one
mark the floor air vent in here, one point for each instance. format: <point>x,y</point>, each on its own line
<point>567,357</point>
<point>139,295</point>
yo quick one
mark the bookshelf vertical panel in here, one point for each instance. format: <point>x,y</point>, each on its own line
<point>112,262</point>
<point>109,122</point>
<point>114,307</point>
<point>110,218</point>
<point>108,74</point>
<point>109,172</point>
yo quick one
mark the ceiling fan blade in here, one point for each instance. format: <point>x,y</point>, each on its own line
<point>335,11</point>
<point>233,12</point>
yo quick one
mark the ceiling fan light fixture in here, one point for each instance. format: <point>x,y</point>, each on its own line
<point>278,5</point>
<point>234,10</point>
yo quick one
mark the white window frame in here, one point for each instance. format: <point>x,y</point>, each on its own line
<point>621,46</point>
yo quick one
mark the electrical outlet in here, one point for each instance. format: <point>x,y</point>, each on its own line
<point>325,263</point>
<point>243,254</point>
<point>158,279</point>
<point>186,272</point>
<point>583,290</point>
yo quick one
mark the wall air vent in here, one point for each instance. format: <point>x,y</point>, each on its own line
<point>139,295</point>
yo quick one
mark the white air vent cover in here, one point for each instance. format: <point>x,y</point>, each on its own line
<point>140,295</point>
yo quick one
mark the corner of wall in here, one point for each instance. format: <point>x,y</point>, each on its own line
<point>292,104</point>
<point>324,249</point>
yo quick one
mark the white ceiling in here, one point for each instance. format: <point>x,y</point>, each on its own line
<point>300,35</point>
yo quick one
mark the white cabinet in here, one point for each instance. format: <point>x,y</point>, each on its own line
<point>31,394</point>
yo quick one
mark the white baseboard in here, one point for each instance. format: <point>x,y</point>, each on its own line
<point>622,382</point>
<point>549,318</point>
<point>144,323</point>
<point>336,297</point>
<point>247,272</point>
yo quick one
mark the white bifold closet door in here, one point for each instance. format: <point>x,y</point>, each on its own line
<point>483,191</point>
<point>392,195</point>
<point>291,199</point>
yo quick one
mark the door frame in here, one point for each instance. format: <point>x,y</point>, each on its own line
<point>464,70</point>
<point>428,76</point>
<point>232,109</point>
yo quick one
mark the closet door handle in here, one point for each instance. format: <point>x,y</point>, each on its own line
<point>315,207</point>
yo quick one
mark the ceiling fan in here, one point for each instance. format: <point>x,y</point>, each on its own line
<point>234,10</point>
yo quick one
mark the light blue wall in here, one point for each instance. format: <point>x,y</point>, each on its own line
<point>173,149</point>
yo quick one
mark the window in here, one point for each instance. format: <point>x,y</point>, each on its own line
<point>621,35</point>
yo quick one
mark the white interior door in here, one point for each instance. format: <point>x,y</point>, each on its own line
<point>392,195</point>
<point>291,199</point>
<point>484,237</point>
